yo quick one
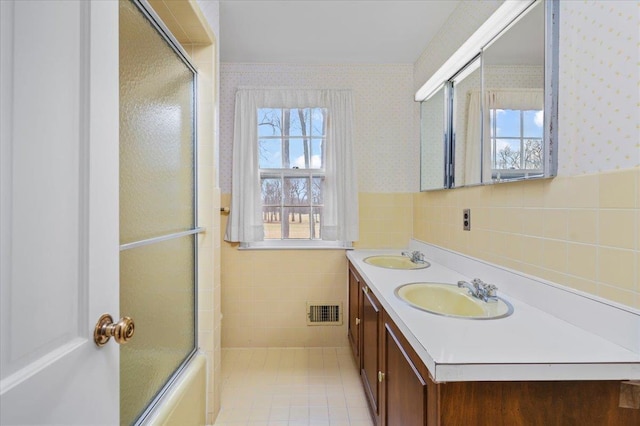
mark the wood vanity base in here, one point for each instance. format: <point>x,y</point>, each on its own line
<point>559,403</point>
<point>582,403</point>
<point>401,391</point>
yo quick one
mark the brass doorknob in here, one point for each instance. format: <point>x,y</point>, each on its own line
<point>122,331</point>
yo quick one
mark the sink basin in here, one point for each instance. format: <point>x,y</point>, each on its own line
<point>452,301</point>
<point>395,262</point>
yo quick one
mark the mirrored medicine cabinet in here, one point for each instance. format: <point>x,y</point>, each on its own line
<point>489,114</point>
<point>434,154</point>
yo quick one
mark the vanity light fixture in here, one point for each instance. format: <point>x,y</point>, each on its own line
<point>467,70</point>
<point>509,11</point>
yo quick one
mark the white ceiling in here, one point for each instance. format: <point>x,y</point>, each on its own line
<point>329,31</point>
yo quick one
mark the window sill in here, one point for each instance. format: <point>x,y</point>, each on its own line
<point>296,245</point>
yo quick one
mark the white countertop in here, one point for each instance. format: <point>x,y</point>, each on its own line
<point>531,344</point>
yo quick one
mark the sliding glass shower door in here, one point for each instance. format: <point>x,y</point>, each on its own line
<point>157,208</point>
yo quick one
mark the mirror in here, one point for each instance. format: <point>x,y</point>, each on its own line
<point>467,125</point>
<point>433,145</point>
<point>513,100</point>
<point>500,102</point>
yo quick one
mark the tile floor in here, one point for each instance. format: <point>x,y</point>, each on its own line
<point>291,386</point>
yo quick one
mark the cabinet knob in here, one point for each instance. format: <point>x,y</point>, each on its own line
<point>380,376</point>
<point>365,289</point>
<point>357,321</point>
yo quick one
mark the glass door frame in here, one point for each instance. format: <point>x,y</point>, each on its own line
<point>148,12</point>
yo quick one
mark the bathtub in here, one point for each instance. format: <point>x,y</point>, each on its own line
<point>184,403</point>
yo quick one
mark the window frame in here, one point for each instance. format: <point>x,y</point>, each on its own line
<point>283,173</point>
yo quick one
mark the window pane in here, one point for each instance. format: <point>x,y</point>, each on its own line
<point>299,124</point>
<point>298,222</point>
<point>317,146</point>
<point>269,122</point>
<point>271,217</point>
<point>317,121</point>
<point>533,154</point>
<point>299,154</point>
<point>507,122</point>
<point>296,191</point>
<point>317,190</point>
<point>269,154</point>
<point>316,224</point>
<point>271,191</point>
<point>507,154</point>
<point>533,123</point>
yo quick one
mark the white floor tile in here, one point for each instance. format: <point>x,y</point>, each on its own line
<point>291,386</point>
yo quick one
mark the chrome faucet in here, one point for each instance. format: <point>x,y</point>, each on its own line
<point>414,256</point>
<point>480,290</point>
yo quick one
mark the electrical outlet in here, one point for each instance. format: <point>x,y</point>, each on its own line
<point>466,220</point>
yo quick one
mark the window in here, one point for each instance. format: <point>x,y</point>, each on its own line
<point>294,182</point>
<point>516,142</point>
<point>291,160</point>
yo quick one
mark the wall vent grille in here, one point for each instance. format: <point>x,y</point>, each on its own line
<point>324,313</point>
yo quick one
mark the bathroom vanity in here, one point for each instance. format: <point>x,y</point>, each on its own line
<point>534,367</point>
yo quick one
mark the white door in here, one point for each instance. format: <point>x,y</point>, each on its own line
<point>59,211</point>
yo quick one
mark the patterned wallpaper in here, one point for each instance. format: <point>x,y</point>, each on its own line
<point>599,103</point>
<point>386,149</point>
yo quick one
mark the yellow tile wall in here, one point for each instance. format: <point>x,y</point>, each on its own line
<point>264,292</point>
<point>385,220</point>
<point>580,231</point>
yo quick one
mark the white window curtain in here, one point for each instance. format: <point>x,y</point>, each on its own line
<point>340,192</point>
<point>473,143</point>
<point>477,130</point>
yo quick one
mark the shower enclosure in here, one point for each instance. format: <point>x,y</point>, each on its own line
<point>158,202</point>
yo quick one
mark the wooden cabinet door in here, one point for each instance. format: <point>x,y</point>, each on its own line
<point>355,314</point>
<point>405,389</point>
<point>371,349</point>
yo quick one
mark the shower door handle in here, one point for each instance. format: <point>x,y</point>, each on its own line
<point>121,331</point>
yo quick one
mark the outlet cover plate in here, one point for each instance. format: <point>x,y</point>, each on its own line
<point>466,220</point>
